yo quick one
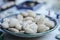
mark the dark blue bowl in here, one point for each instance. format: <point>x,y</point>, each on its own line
<point>30,35</point>
<point>21,6</point>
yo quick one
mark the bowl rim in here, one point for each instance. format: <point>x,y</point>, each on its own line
<point>29,35</point>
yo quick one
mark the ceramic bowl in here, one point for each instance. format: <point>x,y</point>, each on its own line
<point>30,35</point>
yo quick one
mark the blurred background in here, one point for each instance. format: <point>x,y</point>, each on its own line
<point>18,5</point>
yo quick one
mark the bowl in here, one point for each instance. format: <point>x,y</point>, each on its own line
<point>30,35</point>
<point>26,5</point>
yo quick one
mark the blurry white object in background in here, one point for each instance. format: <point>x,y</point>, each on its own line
<point>47,7</point>
<point>10,11</point>
<point>42,1</point>
<point>56,6</point>
<point>6,5</point>
<point>1,2</point>
<point>52,14</point>
<point>42,10</point>
<point>48,3</point>
<point>2,16</point>
<point>45,11</point>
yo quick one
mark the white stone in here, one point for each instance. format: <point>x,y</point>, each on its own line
<point>31,13</point>
<point>6,20</point>
<point>19,17</point>
<point>18,26</point>
<point>41,20</point>
<point>24,14</point>
<point>29,18</point>
<point>13,22</point>
<point>14,30</point>
<point>50,24</point>
<point>34,27</point>
<point>5,25</point>
<point>28,30</point>
<point>42,28</point>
